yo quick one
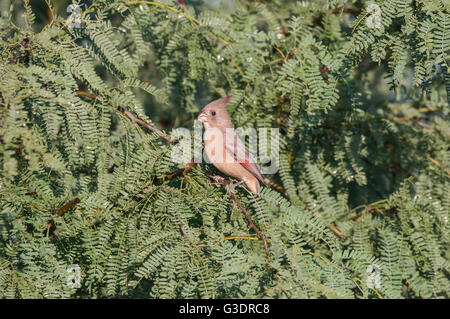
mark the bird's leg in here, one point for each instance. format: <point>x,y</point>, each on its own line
<point>218,180</point>
<point>221,181</point>
<point>233,186</point>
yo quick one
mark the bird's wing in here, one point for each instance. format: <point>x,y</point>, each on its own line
<point>235,146</point>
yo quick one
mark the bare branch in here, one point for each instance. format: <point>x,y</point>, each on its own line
<point>135,120</point>
<point>251,225</point>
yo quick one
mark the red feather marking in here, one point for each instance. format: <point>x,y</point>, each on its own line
<point>246,164</point>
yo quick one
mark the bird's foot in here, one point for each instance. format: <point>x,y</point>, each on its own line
<point>231,187</point>
<point>218,180</point>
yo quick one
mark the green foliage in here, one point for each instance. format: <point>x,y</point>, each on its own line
<point>363,180</point>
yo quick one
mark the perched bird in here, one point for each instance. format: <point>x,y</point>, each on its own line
<point>225,149</point>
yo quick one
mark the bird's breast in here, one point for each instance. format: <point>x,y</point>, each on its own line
<point>215,147</point>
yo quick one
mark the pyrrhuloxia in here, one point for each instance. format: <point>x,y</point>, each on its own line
<point>225,149</point>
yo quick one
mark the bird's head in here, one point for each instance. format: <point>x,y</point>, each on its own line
<point>215,114</point>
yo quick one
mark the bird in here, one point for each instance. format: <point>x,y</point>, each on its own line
<point>225,149</point>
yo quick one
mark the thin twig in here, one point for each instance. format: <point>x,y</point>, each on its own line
<point>346,10</point>
<point>251,225</point>
<point>331,227</point>
<point>59,212</point>
<point>63,209</point>
<point>414,120</point>
<point>276,187</point>
<point>369,210</point>
<point>221,181</point>
<point>432,160</point>
<point>50,15</point>
<point>337,232</point>
<point>183,230</point>
<point>87,94</point>
<point>135,120</point>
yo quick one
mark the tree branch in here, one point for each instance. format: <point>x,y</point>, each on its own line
<point>251,225</point>
<point>135,120</point>
<point>59,212</point>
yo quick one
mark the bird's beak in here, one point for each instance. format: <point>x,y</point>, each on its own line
<point>203,117</point>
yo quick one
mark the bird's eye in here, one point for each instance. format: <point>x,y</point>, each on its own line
<point>213,113</point>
